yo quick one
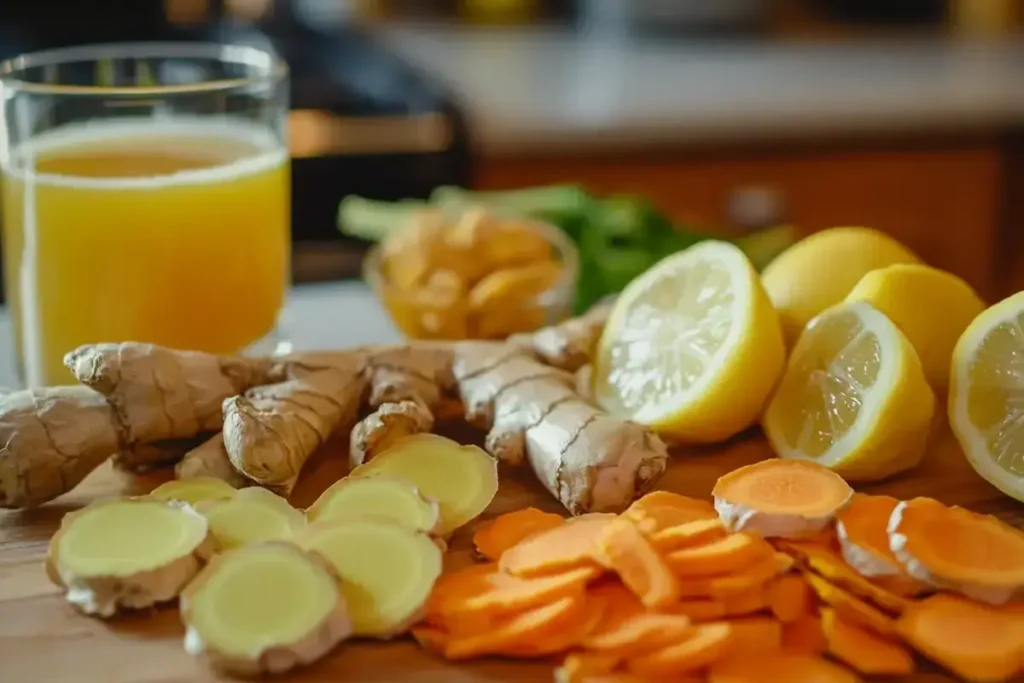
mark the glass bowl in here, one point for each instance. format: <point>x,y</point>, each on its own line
<point>420,318</point>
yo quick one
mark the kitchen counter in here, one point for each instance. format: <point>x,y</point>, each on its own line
<point>537,90</point>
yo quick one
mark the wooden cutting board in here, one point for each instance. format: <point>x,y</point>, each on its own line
<point>42,639</point>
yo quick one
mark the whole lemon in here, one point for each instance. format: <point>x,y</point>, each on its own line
<point>820,270</point>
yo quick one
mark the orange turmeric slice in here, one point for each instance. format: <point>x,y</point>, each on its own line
<point>831,566</point>
<point>687,534</point>
<point>520,630</point>
<point>743,581</point>
<point>862,649</point>
<point>790,598</point>
<point>638,564</point>
<point>638,634</point>
<point>566,638</point>
<point>660,510</point>
<point>746,603</point>
<point>852,607</point>
<point>430,638</point>
<point>862,529</point>
<point>784,498</point>
<point>959,550</point>
<point>698,610</point>
<point>979,643</point>
<point>804,635</point>
<point>569,546</point>
<point>780,667</point>
<point>505,531</point>
<point>707,644</point>
<point>754,635</point>
<point>723,556</point>
<point>582,666</point>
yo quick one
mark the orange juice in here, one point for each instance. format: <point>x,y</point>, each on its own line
<point>175,233</point>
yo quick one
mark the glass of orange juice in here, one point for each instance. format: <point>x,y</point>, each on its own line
<point>145,197</point>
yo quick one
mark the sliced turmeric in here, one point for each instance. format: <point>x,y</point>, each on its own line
<point>556,550</point>
<point>850,606</point>
<point>707,644</point>
<point>579,667</point>
<point>956,549</point>
<point>687,534</point>
<point>530,626</point>
<point>862,529</point>
<point>741,582</point>
<point>660,510</point>
<point>754,636</point>
<point>746,603</point>
<point>790,598</point>
<point>781,667</point>
<point>638,564</point>
<point>862,649</point>
<point>728,554</point>
<point>787,498</point>
<point>639,633</point>
<point>979,643</point>
<point>566,638</point>
<point>804,635</point>
<point>509,529</point>
<point>698,610</point>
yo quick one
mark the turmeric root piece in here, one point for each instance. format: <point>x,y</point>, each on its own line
<point>781,667</point>
<point>565,639</point>
<point>381,496</point>
<point>707,644</point>
<point>959,550</point>
<point>804,636</point>
<point>127,553</point>
<point>790,598</point>
<point>862,529</point>
<point>210,460</point>
<point>509,529</point>
<point>589,460</point>
<point>580,667</point>
<point>861,649</point>
<point>698,610</point>
<point>50,440</point>
<point>271,431</point>
<point>192,491</point>
<point>264,608</point>
<point>160,393</point>
<point>725,555</point>
<point>519,630</point>
<point>387,571</point>
<point>639,634</point>
<point>556,550</point>
<point>462,479</point>
<point>731,585</point>
<point>625,550</point>
<point>831,566</point>
<point>659,511</point>
<point>851,607</point>
<point>746,603</point>
<point>688,534</point>
<point>787,498</point>
<point>251,515</point>
<point>751,636</point>
<point>979,643</point>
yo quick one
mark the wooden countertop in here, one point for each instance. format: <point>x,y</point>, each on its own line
<point>546,91</point>
<point>43,639</point>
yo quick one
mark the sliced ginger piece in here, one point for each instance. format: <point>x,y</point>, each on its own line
<point>509,529</point>
<point>265,607</point>
<point>194,490</point>
<point>519,630</point>
<point>780,498</point>
<point>382,496</point>
<point>569,546</point>
<point>252,514</point>
<point>862,530</point>
<point>804,635</point>
<point>127,553</point>
<point>754,635</point>
<point>979,643</point>
<point>850,606</point>
<point>832,567</point>
<point>462,479</point>
<point>959,550</point>
<point>790,598</point>
<point>660,510</point>
<point>780,667</point>
<point>626,551</point>
<point>706,644</point>
<point>687,534</point>
<point>861,649</point>
<point>725,555</point>
<point>387,571</point>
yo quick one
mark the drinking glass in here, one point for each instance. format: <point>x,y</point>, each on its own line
<point>145,197</point>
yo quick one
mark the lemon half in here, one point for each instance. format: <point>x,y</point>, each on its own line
<point>853,398</point>
<point>986,395</point>
<point>693,347</point>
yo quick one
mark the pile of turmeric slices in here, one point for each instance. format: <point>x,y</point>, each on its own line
<point>788,577</point>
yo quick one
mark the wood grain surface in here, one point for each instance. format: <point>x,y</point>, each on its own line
<point>42,639</point>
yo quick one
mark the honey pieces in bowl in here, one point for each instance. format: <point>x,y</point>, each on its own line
<point>474,276</point>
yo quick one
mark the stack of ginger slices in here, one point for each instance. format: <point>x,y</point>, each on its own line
<point>789,577</point>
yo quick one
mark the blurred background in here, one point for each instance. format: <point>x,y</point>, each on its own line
<point>729,115</point>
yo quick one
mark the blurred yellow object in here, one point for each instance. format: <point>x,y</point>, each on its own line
<point>854,397</point>
<point>986,395</point>
<point>820,270</point>
<point>984,18</point>
<point>930,306</point>
<point>693,347</point>
<point>499,11</point>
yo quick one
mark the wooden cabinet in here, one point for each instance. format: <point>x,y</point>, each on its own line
<point>945,202</point>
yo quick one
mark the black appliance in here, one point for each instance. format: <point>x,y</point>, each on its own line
<point>394,131</point>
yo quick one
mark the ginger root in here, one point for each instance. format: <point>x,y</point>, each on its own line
<point>210,460</point>
<point>127,553</point>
